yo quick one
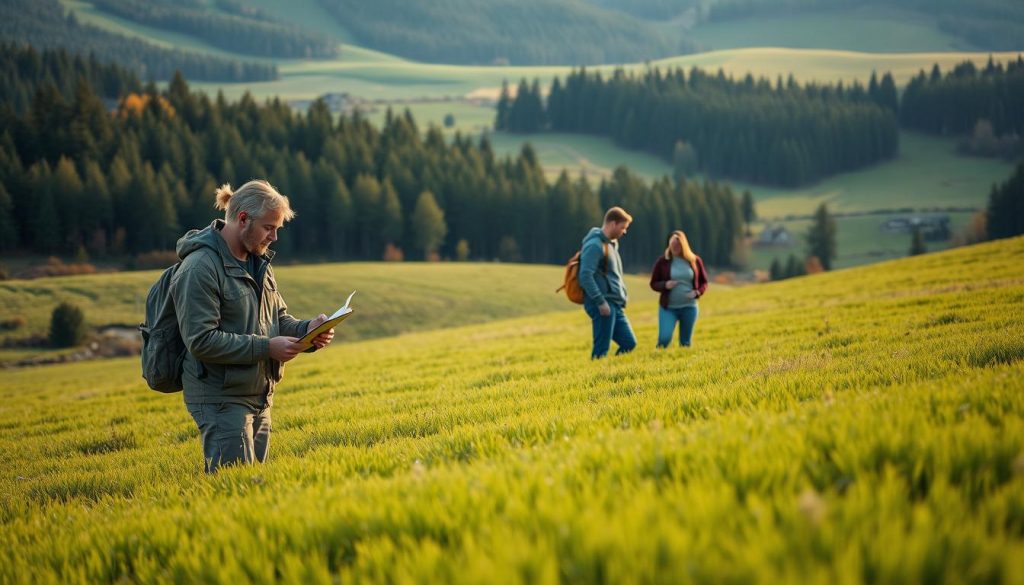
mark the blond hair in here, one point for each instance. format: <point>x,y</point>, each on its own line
<point>255,198</point>
<point>687,254</point>
<point>617,215</point>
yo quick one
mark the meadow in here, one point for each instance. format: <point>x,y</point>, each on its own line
<point>390,301</point>
<point>859,426</point>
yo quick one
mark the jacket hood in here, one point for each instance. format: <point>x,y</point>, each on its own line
<point>209,238</point>
<point>594,233</point>
<point>206,237</point>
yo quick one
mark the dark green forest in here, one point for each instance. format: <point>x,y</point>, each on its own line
<point>78,178</point>
<point>43,25</point>
<point>953,103</point>
<point>24,71</point>
<point>1004,216</point>
<point>240,32</point>
<point>784,134</point>
<point>519,32</point>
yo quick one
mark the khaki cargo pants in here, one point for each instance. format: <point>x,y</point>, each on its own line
<point>232,433</point>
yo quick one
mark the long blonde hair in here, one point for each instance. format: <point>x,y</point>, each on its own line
<point>687,255</point>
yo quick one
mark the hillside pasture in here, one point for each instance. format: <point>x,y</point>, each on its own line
<point>868,29</point>
<point>859,426</point>
<point>392,298</point>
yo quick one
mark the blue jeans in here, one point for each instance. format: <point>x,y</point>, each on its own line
<point>667,318</point>
<point>614,327</point>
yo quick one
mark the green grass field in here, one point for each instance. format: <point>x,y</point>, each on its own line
<point>861,426</point>
<point>859,240</point>
<point>391,300</point>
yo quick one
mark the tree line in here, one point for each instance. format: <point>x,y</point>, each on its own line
<point>78,178</point>
<point>24,71</point>
<point>784,134</point>
<point>954,103</point>
<point>238,32</point>
<point>1004,216</point>
<point>43,25</point>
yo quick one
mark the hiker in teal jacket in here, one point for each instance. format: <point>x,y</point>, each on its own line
<point>234,324</point>
<point>600,278</point>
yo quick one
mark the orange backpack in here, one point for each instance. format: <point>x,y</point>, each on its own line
<point>571,284</point>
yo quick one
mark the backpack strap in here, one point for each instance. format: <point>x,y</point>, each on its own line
<point>605,246</point>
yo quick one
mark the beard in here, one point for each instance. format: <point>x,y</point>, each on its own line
<point>252,242</point>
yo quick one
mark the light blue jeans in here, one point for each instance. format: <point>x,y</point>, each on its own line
<point>667,319</point>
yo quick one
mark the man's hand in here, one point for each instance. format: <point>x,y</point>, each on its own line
<point>321,341</point>
<point>671,284</point>
<point>283,348</point>
<point>604,309</point>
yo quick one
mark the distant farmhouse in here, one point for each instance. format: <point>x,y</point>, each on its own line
<point>933,227</point>
<point>337,103</point>
<point>774,235</point>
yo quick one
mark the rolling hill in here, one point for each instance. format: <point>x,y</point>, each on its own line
<point>865,425</point>
<point>393,298</point>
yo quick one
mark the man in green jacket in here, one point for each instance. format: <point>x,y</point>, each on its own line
<point>235,324</point>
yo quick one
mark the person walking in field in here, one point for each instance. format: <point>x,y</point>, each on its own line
<point>234,324</point>
<point>600,277</point>
<point>680,277</point>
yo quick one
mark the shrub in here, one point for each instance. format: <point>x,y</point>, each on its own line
<point>67,326</point>
<point>12,323</point>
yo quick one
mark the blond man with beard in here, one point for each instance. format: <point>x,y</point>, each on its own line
<point>234,323</point>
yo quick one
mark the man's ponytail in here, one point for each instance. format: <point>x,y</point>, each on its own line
<point>223,196</point>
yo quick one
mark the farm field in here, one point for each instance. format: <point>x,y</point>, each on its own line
<point>865,425</point>
<point>391,299</point>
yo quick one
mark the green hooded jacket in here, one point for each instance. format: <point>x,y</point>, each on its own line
<point>227,322</point>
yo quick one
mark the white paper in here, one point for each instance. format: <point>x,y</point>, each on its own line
<point>344,309</point>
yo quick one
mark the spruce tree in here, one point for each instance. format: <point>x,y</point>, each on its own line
<point>749,211</point>
<point>917,246</point>
<point>428,225</point>
<point>821,237</point>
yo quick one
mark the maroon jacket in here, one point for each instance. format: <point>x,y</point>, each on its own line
<point>662,273</point>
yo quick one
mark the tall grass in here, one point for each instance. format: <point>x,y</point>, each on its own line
<point>863,426</point>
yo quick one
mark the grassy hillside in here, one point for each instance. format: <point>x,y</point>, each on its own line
<point>860,426</point>
<point>392,299</point>
<point>871,29</point>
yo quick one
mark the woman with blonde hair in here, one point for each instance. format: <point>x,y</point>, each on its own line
<point>680,277</point>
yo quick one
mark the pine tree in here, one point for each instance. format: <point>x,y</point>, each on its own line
<point>821,237</point>
<point>8,227</point>
<point>428,225</point>
<point>917,246</point>
<point>749,211</point>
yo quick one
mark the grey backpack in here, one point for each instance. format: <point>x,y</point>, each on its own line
<point>163,351</point>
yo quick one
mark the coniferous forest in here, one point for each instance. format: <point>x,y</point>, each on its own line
<point>953,103</point>
<point>784,134</point>
<point>245,31</point>
<point>80,178</point>
<point>43,25</point>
